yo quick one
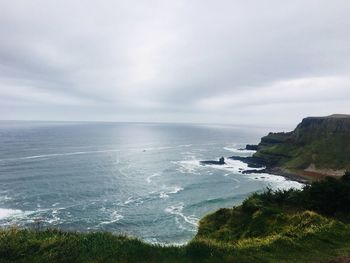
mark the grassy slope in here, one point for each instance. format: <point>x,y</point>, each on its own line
<point>276,235</point>
<point>330,152</point>
<point>286,226</point>
<point>58,246</point>
<point>324,142</point>
<point>265,237</point>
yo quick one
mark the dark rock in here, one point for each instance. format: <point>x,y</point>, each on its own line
<point>220,162</point>
<point>255,162</point>
<point>251,147</point>
<point>255,171</point>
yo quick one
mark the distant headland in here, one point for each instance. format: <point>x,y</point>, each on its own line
<point>316,148</point>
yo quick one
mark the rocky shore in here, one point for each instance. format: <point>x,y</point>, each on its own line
<point>318,147</point>
<point>258,166</point>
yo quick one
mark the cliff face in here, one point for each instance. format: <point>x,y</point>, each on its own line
<point>316,144</point>
<point>321,127</point>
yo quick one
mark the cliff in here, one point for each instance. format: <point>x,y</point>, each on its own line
<point>318,145</point>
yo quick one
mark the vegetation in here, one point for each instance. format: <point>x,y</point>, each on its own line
<point>323,142</point>
<point>309,225</point>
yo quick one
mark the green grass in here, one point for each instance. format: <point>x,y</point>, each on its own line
<point>283,226</point>
<point>305,237</point>
<point>325,144</point>
<point>329,152</point>
<point>272,234</point>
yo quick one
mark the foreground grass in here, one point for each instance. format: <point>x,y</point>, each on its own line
<point>275,235</point>
<point>283,226</point>
<point>323,240</point>
<point>58,246</point>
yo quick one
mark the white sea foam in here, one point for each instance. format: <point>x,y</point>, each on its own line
<point>132,200</point>
<point>235,167</point>
<point>114,217</point>
<point>276,181</point>
<point>149,178</point>
<point>171,190</point>
<point>57,155</point>
<point>163,195</point>
<point>175,190</point>
<point>5,213</point>
<point>195,167</point>
<point>188,166</point>
<point>239,151</point>
<point>177,211</point>
<point>55,216</point>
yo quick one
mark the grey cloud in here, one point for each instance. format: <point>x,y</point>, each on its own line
<point>167,60</point>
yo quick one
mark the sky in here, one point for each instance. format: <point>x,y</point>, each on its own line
<point>202,61</point>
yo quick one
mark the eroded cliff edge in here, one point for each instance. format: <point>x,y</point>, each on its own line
<point>317,147</point>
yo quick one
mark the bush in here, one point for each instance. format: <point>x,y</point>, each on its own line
<point>330,197</point>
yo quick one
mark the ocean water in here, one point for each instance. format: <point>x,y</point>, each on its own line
<point>140,179</point>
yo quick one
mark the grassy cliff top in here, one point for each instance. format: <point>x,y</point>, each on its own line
<point>317,143</point>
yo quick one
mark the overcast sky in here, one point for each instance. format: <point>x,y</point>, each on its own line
<point>218,61</point>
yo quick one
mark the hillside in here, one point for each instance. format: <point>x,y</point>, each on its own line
<point>318,145</point>
<point>306,225</point>
<point>296,226</point>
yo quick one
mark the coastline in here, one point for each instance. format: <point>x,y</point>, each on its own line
<point>317,148</point>
<point>301,176</point>
<point>289,175</point>
<point>257,166</point>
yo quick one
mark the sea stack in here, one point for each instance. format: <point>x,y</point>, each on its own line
<point>220,162</point>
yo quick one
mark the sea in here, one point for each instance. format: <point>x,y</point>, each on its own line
<point>140,179</point>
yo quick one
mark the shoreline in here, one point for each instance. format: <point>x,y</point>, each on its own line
<point>306,176</point>
<point>289,175</point>
<point>257,166</point>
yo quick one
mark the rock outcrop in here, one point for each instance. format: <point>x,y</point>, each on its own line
<point>220,162</point>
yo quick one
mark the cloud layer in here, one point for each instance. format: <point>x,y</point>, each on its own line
<point>174,61</point>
